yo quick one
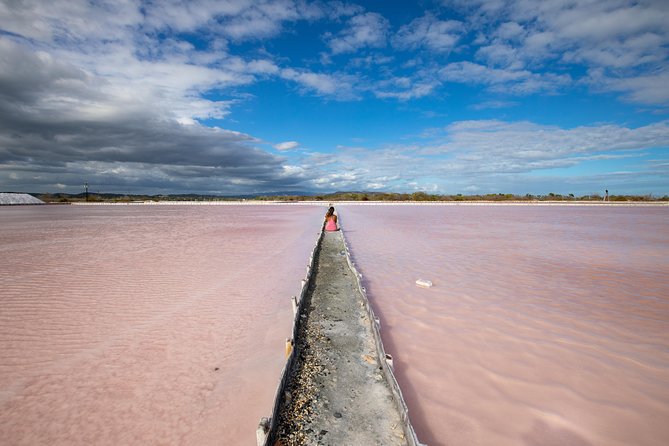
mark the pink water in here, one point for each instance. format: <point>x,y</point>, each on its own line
<point>145,325</point>
<point>545,325</point>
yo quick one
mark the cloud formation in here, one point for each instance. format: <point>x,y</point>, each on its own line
<point>143,95</point>
<point>367,30</point>
<point>625,42</point>
<point>470,156</point>
<point>61,124</point>
<point>111,93</point>
<point>430,33</point>
<point>335,85</point>
<point>520,82</point>
<point>527,141</point>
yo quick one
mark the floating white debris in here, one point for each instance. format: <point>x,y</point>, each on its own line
<point>424,283</point>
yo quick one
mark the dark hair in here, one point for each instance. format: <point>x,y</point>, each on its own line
<point>330,212</point>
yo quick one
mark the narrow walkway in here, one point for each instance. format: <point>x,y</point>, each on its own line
<point>336,393</point>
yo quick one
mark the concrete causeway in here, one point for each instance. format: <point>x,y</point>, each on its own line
<point>337,392</point>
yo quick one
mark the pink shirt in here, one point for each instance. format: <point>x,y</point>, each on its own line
<point>330,225</point>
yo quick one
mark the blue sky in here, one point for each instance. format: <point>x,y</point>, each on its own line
<point>236,97</point>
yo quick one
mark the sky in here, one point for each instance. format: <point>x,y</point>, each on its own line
<point>276,96</point>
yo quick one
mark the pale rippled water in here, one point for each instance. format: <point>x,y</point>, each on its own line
<point>545,326</point>
<point>145,324</point>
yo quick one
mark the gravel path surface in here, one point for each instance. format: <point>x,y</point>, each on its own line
<point>336,394</point>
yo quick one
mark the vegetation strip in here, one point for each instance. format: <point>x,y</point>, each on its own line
<point>349,196</point>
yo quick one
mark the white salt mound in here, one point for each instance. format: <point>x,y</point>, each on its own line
<point>424,283</point>
<point>7,198</point>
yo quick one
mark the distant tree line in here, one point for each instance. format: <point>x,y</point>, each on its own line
<point>127,198</point>
<point>339,196</point>
<point>423,196</point>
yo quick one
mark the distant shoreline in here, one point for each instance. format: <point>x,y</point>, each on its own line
<point>375,203</point>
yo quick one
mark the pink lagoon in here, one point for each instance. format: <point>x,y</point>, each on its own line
<point>145,325</point>
<point>546,325</point>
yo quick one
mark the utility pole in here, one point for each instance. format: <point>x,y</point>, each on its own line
<point>86,188</point>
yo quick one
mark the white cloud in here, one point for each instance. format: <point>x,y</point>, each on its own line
<point>410,91</point>
<point>510,31</point>
<point>78,20</point>
<point>430,33</point>
<point>69,20</point>
<point>292,171</point>
<point>115,87</point>
<point>337,9</point>
<point>262,67</point>
<point>648,88</point>
<point>635,51</point>
<point>501,55</point>
<point>321,83</point>
<point>600,21</point>
<point>336,86</point>
<point>421,83</point>
<point>367,30</point>
<point>96,66</point>
<point>518,144</point>
<point>90,89</point>
<point>493,104</point>
<point>392,167</point>
<point>339,181</point>
<point>503,80</point>
<point>239,19</point>
<point>373,60</point>
<point>627,39</point>
<point>287,145</point>
<point>491,156</point>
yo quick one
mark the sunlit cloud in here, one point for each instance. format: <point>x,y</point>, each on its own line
<point>287,145</point>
